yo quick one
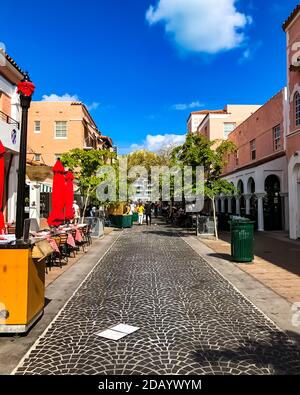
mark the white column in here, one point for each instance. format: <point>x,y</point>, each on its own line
<point>238,205</point>
<point>229,205</point>
<point>217,204</point>
<point>248,203</point>
<point>222,204</point>
<point>260,209</point>
<point>285,195</point>
<point>35,201</point>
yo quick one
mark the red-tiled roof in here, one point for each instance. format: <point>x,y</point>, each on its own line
<point>204,112</point>
<point>13,63</point>
<point>291,17</point>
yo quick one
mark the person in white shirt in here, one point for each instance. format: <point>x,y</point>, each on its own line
<point>76,209</point>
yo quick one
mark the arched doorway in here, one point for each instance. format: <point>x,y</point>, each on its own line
<point>294,196</point>
<point>253,200</point>
<point>233,201</point>
<point>272,204</point>
<point>241,190</point>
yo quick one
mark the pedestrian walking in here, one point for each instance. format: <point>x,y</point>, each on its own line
<point>156,209</point>
<point>148,212</point>
<point>140,211</point>
<point>76,210</point>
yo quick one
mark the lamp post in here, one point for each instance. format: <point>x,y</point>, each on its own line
<point>25,89</point>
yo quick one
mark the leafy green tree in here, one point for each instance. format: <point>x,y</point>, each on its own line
<point>143,158</point>
<point>212,155</point>
<point>85,164</point>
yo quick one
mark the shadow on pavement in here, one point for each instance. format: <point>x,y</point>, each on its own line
<point>227,257</point>
<point>282,253</point>
<point>280,354</point>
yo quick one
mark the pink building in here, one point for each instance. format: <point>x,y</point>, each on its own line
<point>259,168</point>
<point>216,125</point>
<point>266,168</point>
<point>292,29</point>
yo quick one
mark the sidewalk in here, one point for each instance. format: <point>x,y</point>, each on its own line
<point>56,271</point>
<point>190,319</point>
<point>13,347</point>
<point>276,263</point>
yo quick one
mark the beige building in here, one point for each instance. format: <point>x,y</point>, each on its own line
<point>194,120</point>
<point>216,125</point>
<point>58,127</point>
<point>55,128</point>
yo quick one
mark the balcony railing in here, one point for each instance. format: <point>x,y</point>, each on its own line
<point>6,118</point>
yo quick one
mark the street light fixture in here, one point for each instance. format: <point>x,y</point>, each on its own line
<point>25,90</point>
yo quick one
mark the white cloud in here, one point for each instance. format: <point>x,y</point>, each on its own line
<point>65,97</point>
<point>250,52</point>
<point>93,106</point>
<point>187,106</point>
<point>156,142</point>
<point>201,25</point>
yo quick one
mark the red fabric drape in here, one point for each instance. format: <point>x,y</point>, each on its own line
<point>2,152</point>
<point>69,196</point>
<point>57,215</point>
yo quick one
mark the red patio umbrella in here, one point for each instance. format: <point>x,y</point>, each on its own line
<point>69,196</point>
<point>2,152</point>
<point>57,215</point>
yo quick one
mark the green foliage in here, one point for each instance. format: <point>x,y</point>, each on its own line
<point>85,164</point>
<point>199,151</point>
<point>143,158</point>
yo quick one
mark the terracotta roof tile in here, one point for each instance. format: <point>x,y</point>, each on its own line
<point>291,17</point>
<point>204,112</point>
<point>12,62</point>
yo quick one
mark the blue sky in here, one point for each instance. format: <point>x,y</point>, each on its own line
<point>143,65</point>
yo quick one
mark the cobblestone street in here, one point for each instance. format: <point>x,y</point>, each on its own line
<point>192,320</point>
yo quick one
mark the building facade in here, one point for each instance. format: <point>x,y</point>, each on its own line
<point>258,170</point>
<point>292,29</point>
<point>216,125</point>
<point>194,120</point>
<point>266,168</point>
<point>10,113</point>
<point>58,127</point>
<point>54,129</point>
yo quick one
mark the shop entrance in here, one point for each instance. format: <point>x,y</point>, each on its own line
<point>272,204</point>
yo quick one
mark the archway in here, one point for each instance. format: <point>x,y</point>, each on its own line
<point>294,196</point>
<point>253,201</point>
<point>251,185</point>
<point>241,190</point>
<point>272,204</point>
<point>233,201</point>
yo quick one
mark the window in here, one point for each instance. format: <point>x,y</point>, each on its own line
<point>60,129</point>
<point>37,157</point>
<point>297,108</point>
<point>228,128</point>
<point>277,138</point>
<point>253,149</point>
<point>37,126</point>
<point>237,158</point>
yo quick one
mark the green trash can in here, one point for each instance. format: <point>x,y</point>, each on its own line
<point>242,240</point>
<point>122,221</point>
<point>135,217</point>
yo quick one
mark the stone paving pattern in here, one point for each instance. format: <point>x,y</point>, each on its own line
<point>276,262</point>
<point>192,320</point>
